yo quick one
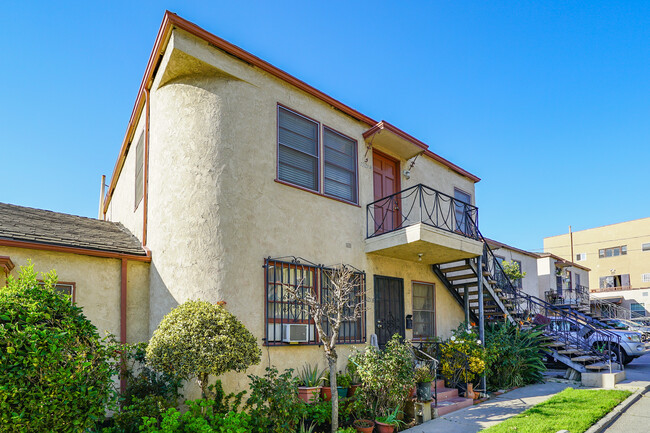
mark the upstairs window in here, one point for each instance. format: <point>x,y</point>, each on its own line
<point>297,149</point>
<point>612,252</point>
<point>304,152</point>
<point>139,171</point>
<point>645,247</point>
<point>340,166</point>
<point>581,256</point>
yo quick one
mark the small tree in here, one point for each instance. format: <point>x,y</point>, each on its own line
<point>197,339</point>
<point>342,301</point>
<point>512,271</point>
<point>55,374</point>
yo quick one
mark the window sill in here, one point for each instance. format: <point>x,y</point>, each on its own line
<point>320,194</point>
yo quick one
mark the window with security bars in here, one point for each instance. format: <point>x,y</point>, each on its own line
<point>281,310</point>
<point>424,317</point>
<point>303,149</point>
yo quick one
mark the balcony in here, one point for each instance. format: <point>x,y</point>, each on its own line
<point>424,225</point>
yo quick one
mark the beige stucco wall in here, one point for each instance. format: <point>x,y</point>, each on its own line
<point>122,207</point>
<point>97,287</point>
<point>631,233</point>
<point>530,283</point>
<point>546,268</point>
<point>215,210</point>
<point>629,297</point>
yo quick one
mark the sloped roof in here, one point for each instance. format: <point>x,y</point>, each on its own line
<point>18,223</point>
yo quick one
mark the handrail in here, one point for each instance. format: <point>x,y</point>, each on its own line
<point>434,349</point>
<point>519,299</point>
<point>421,204</point>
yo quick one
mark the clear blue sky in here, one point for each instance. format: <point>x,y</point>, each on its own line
<point>547,102</point>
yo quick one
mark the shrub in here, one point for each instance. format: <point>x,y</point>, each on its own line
<point>387,377</point>
<point>453,363</point>
<point>197,339</point>
<point>200,418</point>
<point>514,355</point>
<point>55,374</point>
<point>148,392</point>
<point>273,403</point>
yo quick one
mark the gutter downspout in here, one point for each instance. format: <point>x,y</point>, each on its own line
<point>123,328</point>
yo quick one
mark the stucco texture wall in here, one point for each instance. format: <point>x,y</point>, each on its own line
<point>215,210</point>
<point>122,207</point>
<point>97,287</point>
<point>633,234</point>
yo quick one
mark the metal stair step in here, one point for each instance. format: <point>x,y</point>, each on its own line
<point>461,277</point>
<point>455,268</point>
<point>585,358</point>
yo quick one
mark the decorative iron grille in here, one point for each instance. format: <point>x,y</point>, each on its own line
<point>305,276</point>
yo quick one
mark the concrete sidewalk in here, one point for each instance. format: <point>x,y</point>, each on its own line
<point>634,419</point>
<point>493,411</point>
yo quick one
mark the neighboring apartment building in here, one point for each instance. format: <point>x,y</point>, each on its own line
<point>619,258</point>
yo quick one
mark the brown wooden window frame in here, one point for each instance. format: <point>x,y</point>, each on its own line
<point>432,311</point>
<point>71,284</point>
<point>322,128</point>
<point>622,251</point>
<point>273,287</point>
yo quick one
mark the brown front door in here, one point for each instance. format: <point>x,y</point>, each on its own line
<point>385,182</point>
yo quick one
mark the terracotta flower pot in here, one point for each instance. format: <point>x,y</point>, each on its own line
<point>384,428</point>
<point>326,393</point>
<point>364,425</point>
<point>353,389</point>
<point>470,392</point>
<point>308,394</point>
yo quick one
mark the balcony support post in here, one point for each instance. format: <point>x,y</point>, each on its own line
<point>466,299</point>
<point>481,313</point>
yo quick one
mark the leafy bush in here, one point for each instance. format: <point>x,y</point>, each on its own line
<point>387,377</point>
<point>55,374</point>
<point>514,355</point>
<point>197,339</point>
<point>200,418</point>
<point>453,363</point>
<point>148,393</point>
<point>273,403</point>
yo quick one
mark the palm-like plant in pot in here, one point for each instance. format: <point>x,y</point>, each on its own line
<point>388,423</point>
<point>310,383</point>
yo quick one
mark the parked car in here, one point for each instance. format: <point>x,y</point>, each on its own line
<point>581,335</point>
<point>629,325</point>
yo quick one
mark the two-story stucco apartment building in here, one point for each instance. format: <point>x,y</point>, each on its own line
<point>238,179</point>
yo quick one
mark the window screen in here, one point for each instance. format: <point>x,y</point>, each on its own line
<point>340,166</point>
<point>297,149</point>
<point>424,325</point>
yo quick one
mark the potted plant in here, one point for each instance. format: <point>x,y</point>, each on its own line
<point>355,380</point>
<point>388,423</point>
<point>343,382</point>
<point>364,425</point>
<point>310,383</point>
<point>325,390</point>
<point>423,378</point>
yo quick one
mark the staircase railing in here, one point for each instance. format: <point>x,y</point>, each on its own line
<point>530,309</point>
<point>456,361</point>
<point>611,309</point>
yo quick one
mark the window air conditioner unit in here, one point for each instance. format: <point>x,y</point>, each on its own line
<point>295,333</point>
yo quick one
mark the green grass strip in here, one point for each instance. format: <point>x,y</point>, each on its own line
<point>572,409</point>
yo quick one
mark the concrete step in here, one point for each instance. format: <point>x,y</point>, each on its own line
<point>440,383</point>
<point>449,406</point>
<point>445,394</point>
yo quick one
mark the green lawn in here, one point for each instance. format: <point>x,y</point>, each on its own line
<point>572,409</point>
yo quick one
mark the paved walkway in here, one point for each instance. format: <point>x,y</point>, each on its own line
<point>493,411</point>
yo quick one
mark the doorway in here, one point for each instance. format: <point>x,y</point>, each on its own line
<point>389,308</point>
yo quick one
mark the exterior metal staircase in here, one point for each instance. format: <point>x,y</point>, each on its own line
<point>574,337</point>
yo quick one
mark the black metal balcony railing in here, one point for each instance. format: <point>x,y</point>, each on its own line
<point>576,296</point>
<point>425,205</point>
